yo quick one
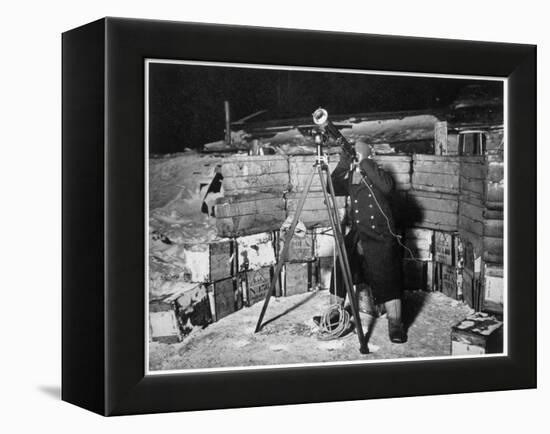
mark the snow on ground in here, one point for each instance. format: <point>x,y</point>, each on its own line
<point>289,335</point>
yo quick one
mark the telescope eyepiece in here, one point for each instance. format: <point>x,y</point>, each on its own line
<point>320,116</point>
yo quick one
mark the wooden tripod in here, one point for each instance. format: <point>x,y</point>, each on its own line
<point>320,168</point>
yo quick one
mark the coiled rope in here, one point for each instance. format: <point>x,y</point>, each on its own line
<point>334,322</point>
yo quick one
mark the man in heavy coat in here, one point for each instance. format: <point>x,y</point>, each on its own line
<point>371,244</point>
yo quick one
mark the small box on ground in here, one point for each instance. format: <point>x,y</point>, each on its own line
<point>479,333</point>
<point>163,324</point>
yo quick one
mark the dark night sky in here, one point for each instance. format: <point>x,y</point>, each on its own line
<point>186,102</point>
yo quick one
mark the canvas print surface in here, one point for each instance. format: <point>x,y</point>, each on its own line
<point>304,216</point>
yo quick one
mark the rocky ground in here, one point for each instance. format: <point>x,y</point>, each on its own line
<point>290,335</point>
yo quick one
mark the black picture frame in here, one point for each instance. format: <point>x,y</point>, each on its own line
<point>103,216</point>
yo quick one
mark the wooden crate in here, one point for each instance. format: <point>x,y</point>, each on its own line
<point>436,173</point>
<point>432,210</point>
<point>445,248</point>
<point>448,280</point>
<point>301,246</point>
<point>493,288</point>
<point>300,168</point>
<point>298,277</point>
<point>325,265</point>
<point>225,297</point>
<point>243,174</point>
<point>255,284</point>
<point>479,333</point>
<point>314,212</point>
<point>493,249</point>
<point>420,242</point>
<point>323,238</point>
<point>255,251</point>
<point>418,275</point>
<point>247,214</point>
<point>207,262</point>
<point>473,173</point>
<point>494,140</point>
<point>399,167</point>
<point>163,323</point>
<point>494,187</point>
<point>192,308</point>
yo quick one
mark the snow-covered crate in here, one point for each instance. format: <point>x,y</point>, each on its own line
<point>255,174</point>
<point>225,297</point>
<point>246,214</point>
<point>301,245</point>
<point>208,262</point>
<point>420,242</point>
<point>433,210</point>
<point>298,277</point>
<point>399,167</point>
<point>256,283</point>
<point>255,251</point>
<point>436,173</point>
<point>314,212</point>
<point>479,333</point>
<point>163,324</point>
<point>444,248</point>
<point>192,308</point>
<point>493,288</point>
<point>300,168</point>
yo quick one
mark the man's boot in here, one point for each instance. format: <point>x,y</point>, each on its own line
<point>395,325</point>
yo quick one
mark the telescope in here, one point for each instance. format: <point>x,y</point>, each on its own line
<point>320,118</point>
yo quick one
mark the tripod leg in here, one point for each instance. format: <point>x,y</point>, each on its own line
<point>342,257</point>
<point>286,246</point>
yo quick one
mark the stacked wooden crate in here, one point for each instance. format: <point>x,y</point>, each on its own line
<point>191,285</point>
<point>253,199</point>
<point>314,212</point>
<point>493,237</point>
<point>432,213</point>
<point>418,259</point>
<point>399,166</point>
<point>255,259</point>
<point>481,225</point>
<point>433,200</point>
<point>448,264</point>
